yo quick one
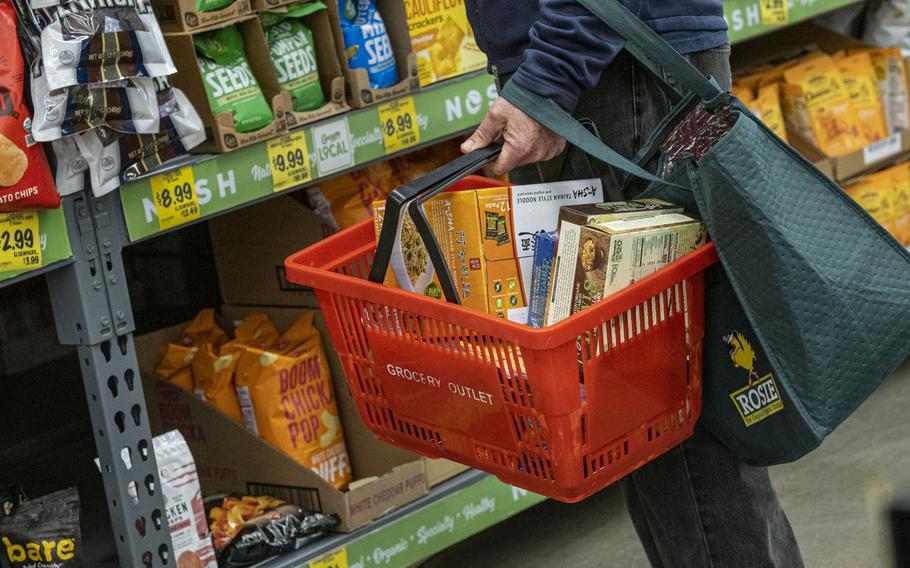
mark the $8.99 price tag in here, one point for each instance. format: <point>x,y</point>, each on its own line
<point>290,161</point>
<point>774,12</point>
<point>20,241</point>
<point>336,559</point>
<point>174,194</point>
<point>398,121</point>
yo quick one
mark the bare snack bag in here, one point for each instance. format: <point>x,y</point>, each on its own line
<point>286,390</point>
<point>43,533</point>
<point>229,80</point>
<point>293,52</point>
<point>26,181</point>
<point>183,502</point>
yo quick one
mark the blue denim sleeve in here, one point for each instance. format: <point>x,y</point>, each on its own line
<point>569,49</point>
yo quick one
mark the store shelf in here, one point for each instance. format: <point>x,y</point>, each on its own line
<point>744,17</point>
<point>334,146</point>
<point>55,248</point>
<point>452,512</point>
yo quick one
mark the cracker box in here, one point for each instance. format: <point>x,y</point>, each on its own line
<point>609,256</point>
<point>443,39</point>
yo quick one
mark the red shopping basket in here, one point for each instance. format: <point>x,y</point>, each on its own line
<point>562,411</point>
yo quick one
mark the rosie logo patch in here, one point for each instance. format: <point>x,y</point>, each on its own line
<point>760,398</point>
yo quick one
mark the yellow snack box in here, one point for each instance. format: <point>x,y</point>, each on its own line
<point>767,106</point>
<point>827,102</point>
<point>286,397</point>
<point>443,39</point>
<point>862,83</point>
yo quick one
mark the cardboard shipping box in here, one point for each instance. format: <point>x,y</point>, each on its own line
<point>251,270</point>
<point>221,135</point>
<point>360,93</point>
<point>760,53</point>
<point>183,16</point>
<point>230,459</point>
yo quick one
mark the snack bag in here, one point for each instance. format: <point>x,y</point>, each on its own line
<point>43,533</point>
<point>293,52</point>
<point>366,42</point>
<point>213,381</point>
<point>352,195</point>
<point>247,530</point>
<point>833,119</point>
<point>286,393</point>
<point>229,81</point>
<point>72,169</point>
<point>442,39</point>
<point>255,330</point>
<point>743,93</point>
<point>892,76</point>
<point>85,44</point>
<point>865,93</point>
<point>875,194</point>
<point>767,106</point>
<point>129,106</point>
<point>176,358</point>
<point>114,157</point>
<point>900,203</point>
<point>183,502</point>
<point>26,181</point>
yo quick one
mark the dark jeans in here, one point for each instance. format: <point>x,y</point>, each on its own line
<point>697,505</point>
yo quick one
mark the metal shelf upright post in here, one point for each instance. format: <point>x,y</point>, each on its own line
<point>92,311</point>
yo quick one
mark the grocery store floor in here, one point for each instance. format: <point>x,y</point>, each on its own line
<point>836,499</point>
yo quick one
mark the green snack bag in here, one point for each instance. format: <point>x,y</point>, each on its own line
<point>212,5</point>
<point>229,81</point>
<point>294,55</point>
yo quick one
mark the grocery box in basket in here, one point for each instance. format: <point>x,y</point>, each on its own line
<point>599,260</point>
<point>191,15</point>
<point>443,40</point>
<point>230,459</point>
<point>221,129</point>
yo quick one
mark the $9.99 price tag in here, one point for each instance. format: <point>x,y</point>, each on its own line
<point>774,12</point>
<point>20,241</point>
<point>290,161</point>
<point>336,559</point>
<point>174,194</point>
<point>398,121</point>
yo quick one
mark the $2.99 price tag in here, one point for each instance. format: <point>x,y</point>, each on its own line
<point>290,161</point>
<point>774,12</point>
<point>336,559</point>
<point>398,121</point>
<point>20,241</point>
<point>174,194</point>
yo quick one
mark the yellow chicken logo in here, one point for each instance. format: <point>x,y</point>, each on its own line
<point>742,354</point>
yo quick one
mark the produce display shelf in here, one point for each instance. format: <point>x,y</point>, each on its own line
<point>453,511</point>
<point>747,18</point>
<point>333,146</point>
<point>55,247</point>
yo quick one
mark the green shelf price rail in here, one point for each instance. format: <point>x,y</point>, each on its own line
<point>31,243</point>
<point>216,183</point>
<point>452,512</point>
<point>750,18</point>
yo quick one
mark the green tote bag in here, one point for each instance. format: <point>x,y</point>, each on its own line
<point>809,310</point>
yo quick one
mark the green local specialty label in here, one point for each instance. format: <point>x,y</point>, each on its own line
<point>292,51</point>
<point>229,82</point>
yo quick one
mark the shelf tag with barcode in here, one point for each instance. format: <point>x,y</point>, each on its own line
<point>290,161</point>
<point>398,120</point>
<point>335,559</point>
<point>774,12</point>
<point>20,241</point>
<point>174,194</point>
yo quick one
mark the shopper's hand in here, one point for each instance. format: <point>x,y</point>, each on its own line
<point>525,141</point>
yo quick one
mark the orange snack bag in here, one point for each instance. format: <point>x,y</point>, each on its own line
<point>176,357</point>
<point>286,397</point>
<point>213,381</point>
<point>255,330</point>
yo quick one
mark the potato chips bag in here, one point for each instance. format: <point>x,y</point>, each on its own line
<point>862,83</point>
<point>26,181</point>
<point>767,107</point>
<point>835,126</point>
<point>213,381</point>
<point>286,396</point>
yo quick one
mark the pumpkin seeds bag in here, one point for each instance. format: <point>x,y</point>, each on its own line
<point>229,80</point>
<point>212,5</point>
<point>293,52</point>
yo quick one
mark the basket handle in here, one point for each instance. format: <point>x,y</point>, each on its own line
<point>409,198</point>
